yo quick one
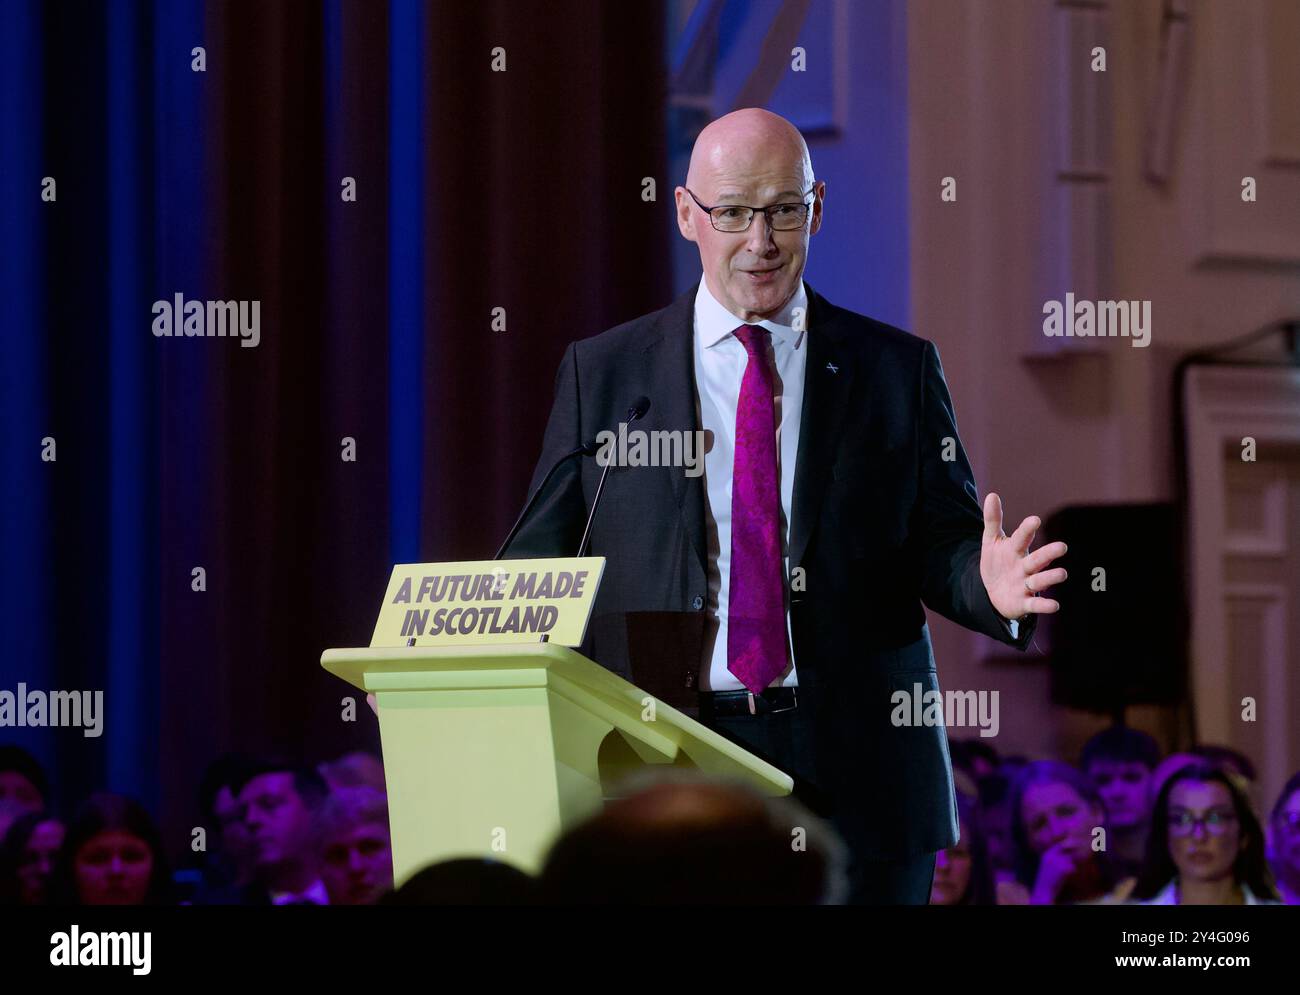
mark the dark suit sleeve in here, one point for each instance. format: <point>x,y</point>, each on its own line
<point>554,527</point>
<point>952,519</point>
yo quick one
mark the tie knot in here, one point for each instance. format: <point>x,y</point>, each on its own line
<point>751,337</point>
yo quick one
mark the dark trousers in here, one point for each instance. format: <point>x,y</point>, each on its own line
<point>784,739</point>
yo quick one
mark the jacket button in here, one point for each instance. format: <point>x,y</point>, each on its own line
<point>698,603</point>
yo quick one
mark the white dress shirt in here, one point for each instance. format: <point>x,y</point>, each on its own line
<point>1168,895</point>
<point>720,361</point>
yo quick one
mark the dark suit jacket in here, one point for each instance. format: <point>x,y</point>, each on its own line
<point>880,523</point>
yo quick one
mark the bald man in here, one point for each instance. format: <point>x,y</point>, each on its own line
<point>778,594</point>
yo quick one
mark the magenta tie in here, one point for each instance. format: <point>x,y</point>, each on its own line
<point>756,634</point>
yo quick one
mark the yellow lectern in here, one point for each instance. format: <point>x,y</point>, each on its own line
<point>491,750</point>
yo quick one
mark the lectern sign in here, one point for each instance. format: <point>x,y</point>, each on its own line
<point>489,601</point>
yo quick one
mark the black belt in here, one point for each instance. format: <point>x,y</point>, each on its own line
<point>727,703</point>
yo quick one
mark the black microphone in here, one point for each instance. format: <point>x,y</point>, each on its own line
<point>639,407</point>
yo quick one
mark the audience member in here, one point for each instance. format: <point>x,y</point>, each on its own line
<point>228,866</point>
<point>1056,817</point>
<point>112,855</point>
<point>356,853</point>
<point>279,803</point>
<point>27,855</point>
<point>1119,762</point>
<point>1284,832</point>
<point>1206,845</point>
<point>962,875</point>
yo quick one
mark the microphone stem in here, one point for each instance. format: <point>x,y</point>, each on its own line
<point>600,486</point>
<point>634,413</point>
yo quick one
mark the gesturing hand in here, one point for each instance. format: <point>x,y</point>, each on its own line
<point>1012,575</point>
<point>1054,868</point>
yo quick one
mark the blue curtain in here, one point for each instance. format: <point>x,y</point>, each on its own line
<point>202,535</point>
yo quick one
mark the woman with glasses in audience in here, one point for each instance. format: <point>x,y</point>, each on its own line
<point>1206,845</point>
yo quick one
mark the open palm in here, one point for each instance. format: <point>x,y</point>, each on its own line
<point>1014,577</point>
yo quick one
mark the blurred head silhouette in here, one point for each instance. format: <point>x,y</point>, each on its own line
<point>690,841</point>
<point>465,881</point>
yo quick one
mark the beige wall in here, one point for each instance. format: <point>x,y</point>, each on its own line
<point>1052,196</point>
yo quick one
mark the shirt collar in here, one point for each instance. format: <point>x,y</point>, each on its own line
<point>1168,895</point>
<point>314,893</point>
<point>713,322</point>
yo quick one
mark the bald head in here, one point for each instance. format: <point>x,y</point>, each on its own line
<point>686,840</point>
<point>744,143</point>
<point>751,158</point>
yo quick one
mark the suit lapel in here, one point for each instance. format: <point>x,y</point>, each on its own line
<point>828,377</point>
<point>671,356</point>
